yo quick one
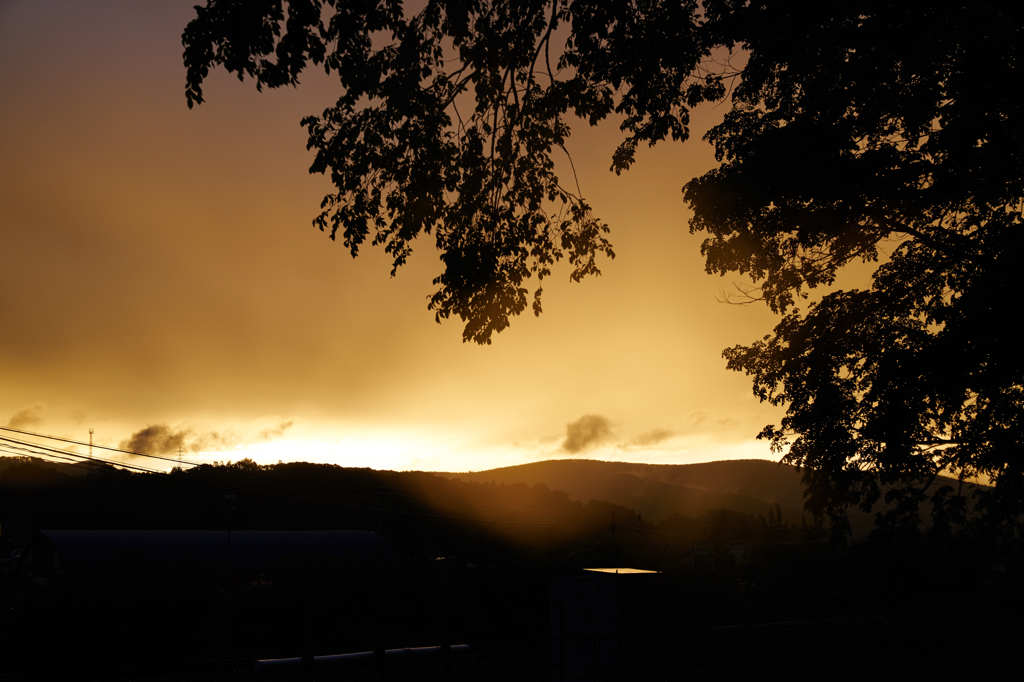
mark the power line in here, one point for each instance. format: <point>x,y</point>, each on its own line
<point>101,447</point>
<point>32,454</point>
<point>36,454</point>
<point>64,454</point>
<point>49,450</point>
<point>11,444</point>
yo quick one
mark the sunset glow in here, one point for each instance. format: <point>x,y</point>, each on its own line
<point>165,277</point>
<point>489,340</point>
<point>421,453</point>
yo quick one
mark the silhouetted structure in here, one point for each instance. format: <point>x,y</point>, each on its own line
<point>607,625</point>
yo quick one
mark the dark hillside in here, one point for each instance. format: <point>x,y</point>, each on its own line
<point>660,491</point>
<point>425,513</point>
<point>624,515</point>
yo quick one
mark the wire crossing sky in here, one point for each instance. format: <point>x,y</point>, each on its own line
<point>164,285</point>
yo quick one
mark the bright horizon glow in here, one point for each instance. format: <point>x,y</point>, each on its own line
<point>413,452</point>
<point>423,448</point>
<point>212,315</point>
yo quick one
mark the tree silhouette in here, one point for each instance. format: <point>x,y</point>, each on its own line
<point>848,127</point>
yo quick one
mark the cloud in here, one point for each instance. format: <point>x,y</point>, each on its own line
<point>586,432</point>
<point>212,440</point>
<point>652,437</point>
<point>160,439</point>
<point>276,431</point>
<point>29,416</point>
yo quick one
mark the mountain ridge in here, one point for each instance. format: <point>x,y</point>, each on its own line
<point>659,491</point>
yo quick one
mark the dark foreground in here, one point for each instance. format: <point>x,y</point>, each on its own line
<point>161,605</point>
<point>196,583</point>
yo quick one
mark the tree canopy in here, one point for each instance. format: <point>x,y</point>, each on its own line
<point>849,127</point>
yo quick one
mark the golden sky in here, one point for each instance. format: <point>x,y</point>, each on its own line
<point>160,268</point>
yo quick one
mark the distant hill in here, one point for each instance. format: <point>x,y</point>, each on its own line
<point>658,491</point>
<point>28,472</point>
<point>426,513</point>
<point>572,512</point>
<point>661,491</point>
<point>557,502</point>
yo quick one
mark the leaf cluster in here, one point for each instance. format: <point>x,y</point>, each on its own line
<point>848,128</point>
<point>886,124</point>
<point>450,120</point>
